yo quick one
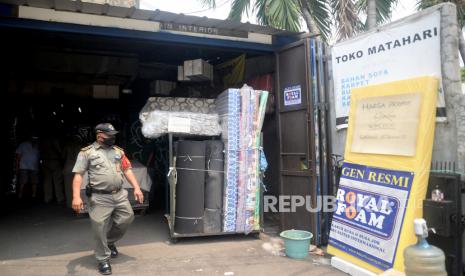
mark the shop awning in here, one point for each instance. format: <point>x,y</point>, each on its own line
<point>102,19</point>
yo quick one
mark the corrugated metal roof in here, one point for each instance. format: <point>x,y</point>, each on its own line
<point>157,15</point>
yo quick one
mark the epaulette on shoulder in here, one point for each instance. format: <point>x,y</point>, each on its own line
<point>86,148</point>
<point>118,148</point>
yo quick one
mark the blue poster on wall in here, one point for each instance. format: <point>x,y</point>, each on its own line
<point>370,208</point>
<point>292,95</point>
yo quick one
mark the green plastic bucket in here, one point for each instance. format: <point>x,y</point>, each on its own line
<point>296,243</point>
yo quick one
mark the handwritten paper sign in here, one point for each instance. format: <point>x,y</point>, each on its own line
<point>387,125</point>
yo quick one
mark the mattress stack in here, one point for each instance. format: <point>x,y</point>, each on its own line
<point>218,182</point>
<point>242,114</point>
<point>228,107</point>
<point>195,116</point>
<point>258,170</point>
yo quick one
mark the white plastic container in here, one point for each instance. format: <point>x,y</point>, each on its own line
<point>423,259</point>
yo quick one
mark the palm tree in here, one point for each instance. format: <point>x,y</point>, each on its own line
<point>283,14</point>
<point>377,11</point>
<point>346,18</point>
<point>460,4</point>
<point>371,14</point>
<point>318,15</point>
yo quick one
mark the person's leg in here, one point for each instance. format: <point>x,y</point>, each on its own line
<point>58,182</point>
<point>34,177</point>
<point>100,217</point>
<point>121,219</point>
<point>48,185</point>
<point>68,179</point>
<point>23,178</point>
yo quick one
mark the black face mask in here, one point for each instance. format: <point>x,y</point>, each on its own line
<point>110,141</point>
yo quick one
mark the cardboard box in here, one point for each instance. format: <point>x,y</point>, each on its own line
<point>105,91</point>
<point>161,87</point>
<point>181,74</point>
<point>198,70</point>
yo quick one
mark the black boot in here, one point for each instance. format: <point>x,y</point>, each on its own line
<point>104,268</point>
<point>114,251</point>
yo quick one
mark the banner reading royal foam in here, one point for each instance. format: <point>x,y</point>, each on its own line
<point>370,210</point>
<point>385,174</point>
<point>398,51</point>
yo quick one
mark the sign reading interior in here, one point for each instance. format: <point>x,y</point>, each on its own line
<point>187,28</point>
<point>390,121</point>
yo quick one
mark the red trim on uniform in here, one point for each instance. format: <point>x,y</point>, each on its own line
<point>125,163</point>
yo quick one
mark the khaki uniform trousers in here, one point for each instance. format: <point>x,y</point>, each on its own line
<point>110,216</point>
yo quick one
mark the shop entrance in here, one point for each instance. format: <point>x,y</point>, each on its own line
<point>60,85</point>
<point>63,79</point>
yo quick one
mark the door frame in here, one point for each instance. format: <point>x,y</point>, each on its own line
<point>310,173</point>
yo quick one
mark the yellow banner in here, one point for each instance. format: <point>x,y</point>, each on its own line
<point>389,140</point>
<point>232,72</point>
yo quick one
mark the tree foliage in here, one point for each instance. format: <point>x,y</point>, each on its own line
<point>324,15</point>
<point>424,4</point>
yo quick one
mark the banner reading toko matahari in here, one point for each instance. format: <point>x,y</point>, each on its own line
<point>398,51</point>
<point>385,174</point>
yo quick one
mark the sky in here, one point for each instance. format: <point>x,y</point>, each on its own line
<point>190,7</point>
<point>194,7</point>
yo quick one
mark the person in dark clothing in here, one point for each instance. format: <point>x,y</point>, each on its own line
<point>51,155</point>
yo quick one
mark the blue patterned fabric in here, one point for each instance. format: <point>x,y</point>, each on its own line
<point>241,114</point>
<point>228,107</point>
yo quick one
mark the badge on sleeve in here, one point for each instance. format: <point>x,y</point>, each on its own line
<point>118,161</point>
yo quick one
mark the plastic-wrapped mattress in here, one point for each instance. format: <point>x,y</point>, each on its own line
<point>241,113</point>
<point>195,116</point>
<point>229,108</point>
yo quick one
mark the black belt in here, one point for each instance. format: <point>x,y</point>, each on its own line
<point>105,192</point>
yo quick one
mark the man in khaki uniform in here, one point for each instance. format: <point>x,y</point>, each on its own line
<point>110,211</point>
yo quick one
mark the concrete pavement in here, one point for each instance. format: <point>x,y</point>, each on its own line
<point>49,240</point>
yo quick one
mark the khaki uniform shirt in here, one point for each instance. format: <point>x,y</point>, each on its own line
<point>105,166</point>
